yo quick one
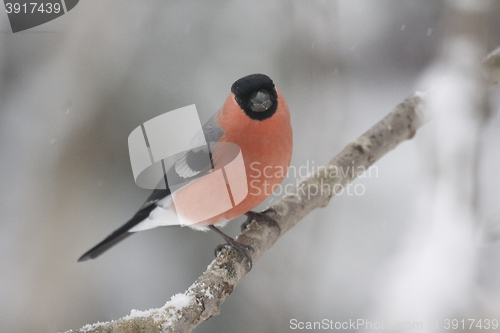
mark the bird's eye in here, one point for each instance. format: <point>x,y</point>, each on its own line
<point>260,101</point>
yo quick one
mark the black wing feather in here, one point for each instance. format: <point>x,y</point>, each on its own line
<point>117,235</point>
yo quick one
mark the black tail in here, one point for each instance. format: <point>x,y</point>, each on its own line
<point>117,235</point>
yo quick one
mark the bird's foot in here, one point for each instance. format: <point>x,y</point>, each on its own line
<point>243,249</point>
<point>251,216</point>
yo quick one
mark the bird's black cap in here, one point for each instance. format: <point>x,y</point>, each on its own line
<point>256,95</point>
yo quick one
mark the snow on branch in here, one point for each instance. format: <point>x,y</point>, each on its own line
<point>203,299</point>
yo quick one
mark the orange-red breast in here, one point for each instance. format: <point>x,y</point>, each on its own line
<point>255,118</point>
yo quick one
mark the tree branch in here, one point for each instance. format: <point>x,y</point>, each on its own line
<point>203,299</point>
<point>491,67</point>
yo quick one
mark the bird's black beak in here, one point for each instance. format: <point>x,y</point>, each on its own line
<point>260,101</point>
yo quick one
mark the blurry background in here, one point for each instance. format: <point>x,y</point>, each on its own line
<point>73,89</point>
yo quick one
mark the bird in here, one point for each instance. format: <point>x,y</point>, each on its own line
<point>254,118</point>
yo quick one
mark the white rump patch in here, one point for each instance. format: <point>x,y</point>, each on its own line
<point>162,215</point>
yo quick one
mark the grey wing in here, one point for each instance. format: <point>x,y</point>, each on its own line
<point>197,160</point>
<point>212,131</point>
<point>193,164</point>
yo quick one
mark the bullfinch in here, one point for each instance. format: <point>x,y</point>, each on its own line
<point>255,119</point>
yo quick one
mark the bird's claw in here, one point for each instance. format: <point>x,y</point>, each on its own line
<point>241,248</point>
<point>251,216</point>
